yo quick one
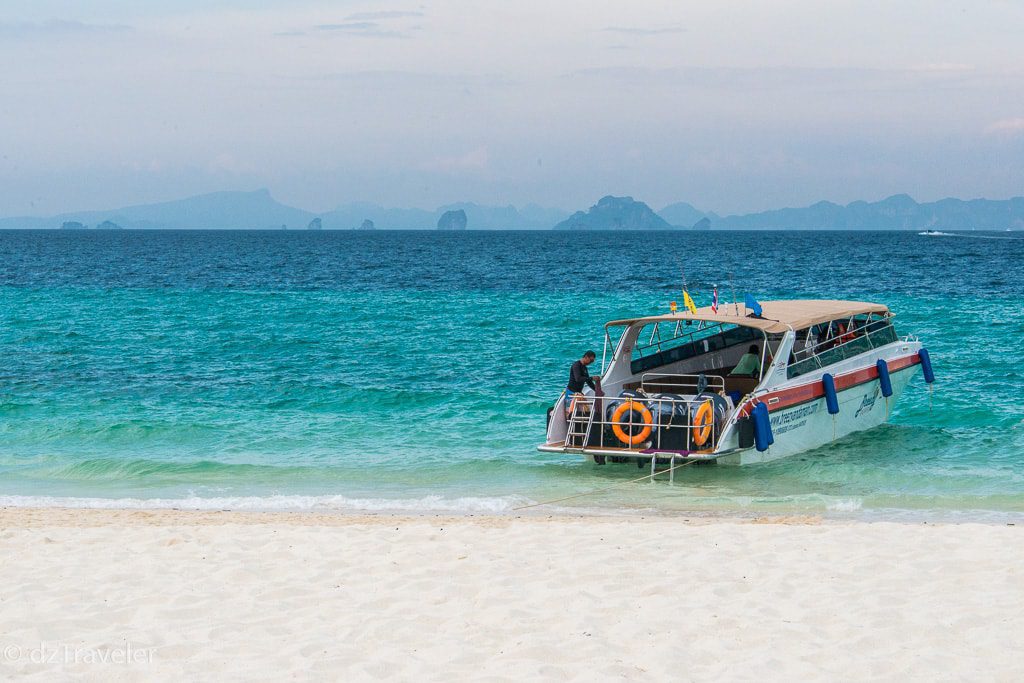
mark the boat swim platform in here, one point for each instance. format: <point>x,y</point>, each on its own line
<point>630,454</point>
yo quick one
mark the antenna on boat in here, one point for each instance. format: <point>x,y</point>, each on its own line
<point>682,273</point>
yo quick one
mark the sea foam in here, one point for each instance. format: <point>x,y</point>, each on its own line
<point>281,503</point>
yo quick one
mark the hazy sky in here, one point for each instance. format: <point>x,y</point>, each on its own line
<point>733,106</point>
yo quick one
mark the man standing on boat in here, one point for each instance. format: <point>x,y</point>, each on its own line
<point>578,376</point>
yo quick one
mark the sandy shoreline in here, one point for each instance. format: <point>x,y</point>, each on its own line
<point>129,594</point>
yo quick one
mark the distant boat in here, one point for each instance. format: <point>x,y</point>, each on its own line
<point>936,233</point>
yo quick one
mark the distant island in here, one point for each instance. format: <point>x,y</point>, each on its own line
<point>615,213</point>
<point>258,210</point>
<point>452,220</point>
<point>898,212</point>
<point>683,213</point>
<point>478,216</point>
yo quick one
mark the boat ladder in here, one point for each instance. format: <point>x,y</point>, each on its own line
<point>580,420</point>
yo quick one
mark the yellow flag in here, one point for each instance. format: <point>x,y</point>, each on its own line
<point>688,302</point>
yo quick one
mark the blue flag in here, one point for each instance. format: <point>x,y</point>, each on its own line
<point>751,303</point>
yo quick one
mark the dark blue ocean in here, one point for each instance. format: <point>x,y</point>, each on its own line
<point>412,370</point>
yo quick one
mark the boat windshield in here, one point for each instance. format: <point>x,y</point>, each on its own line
<point>665,342</point>
<point>827,343</point>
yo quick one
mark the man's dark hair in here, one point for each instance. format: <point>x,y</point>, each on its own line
<point>590,354</point>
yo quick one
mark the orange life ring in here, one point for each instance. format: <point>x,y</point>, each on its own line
<point>645,415</point>
<point>703,421</point>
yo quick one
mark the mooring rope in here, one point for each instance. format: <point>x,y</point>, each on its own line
<point>606,488</point>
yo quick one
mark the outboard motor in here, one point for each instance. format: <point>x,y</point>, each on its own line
<point>720,405</point>
<point>668,413</point>
<point>671,421</point>
<point>610,405</point>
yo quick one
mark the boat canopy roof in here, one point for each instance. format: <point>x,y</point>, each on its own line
<point>776,316</point>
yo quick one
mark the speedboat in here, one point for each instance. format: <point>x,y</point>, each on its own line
<point>668,390</point>
<point>935,233</point>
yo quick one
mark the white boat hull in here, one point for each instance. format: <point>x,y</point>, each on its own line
<point>798,413</point>
<point>808,425</point>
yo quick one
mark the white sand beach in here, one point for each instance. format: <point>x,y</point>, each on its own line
<point>168,595</point>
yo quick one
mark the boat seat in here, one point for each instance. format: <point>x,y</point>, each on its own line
<point>743,385</point>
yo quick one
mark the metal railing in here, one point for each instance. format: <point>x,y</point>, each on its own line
<point>712,382</point>
<point>646,424</point>
<point>834,350</point>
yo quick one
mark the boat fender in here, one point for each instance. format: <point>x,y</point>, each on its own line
<point>884,380</point>
<point>746,431</point>
<point>762,428</point>
<point>831,399</point>
<point>926,366</point>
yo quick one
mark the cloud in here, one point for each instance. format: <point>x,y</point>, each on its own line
<point>366,24</point>
<point>377,16</point>
<point>1014,126</point>
<point>942,67</point>
<point>369,29</point>
<point>417,79</point>
<point>640,31</point>
<point>348,26</point>
<point>784,77</point>
<point>58,27</point>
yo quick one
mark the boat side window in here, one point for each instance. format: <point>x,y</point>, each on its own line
<point>828,343</point>
<point>667,342</point>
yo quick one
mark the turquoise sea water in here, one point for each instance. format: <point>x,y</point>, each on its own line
<point>413,370</point>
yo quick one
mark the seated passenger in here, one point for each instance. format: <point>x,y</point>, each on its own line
<point>749,365</point>
<point>843,335</point>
